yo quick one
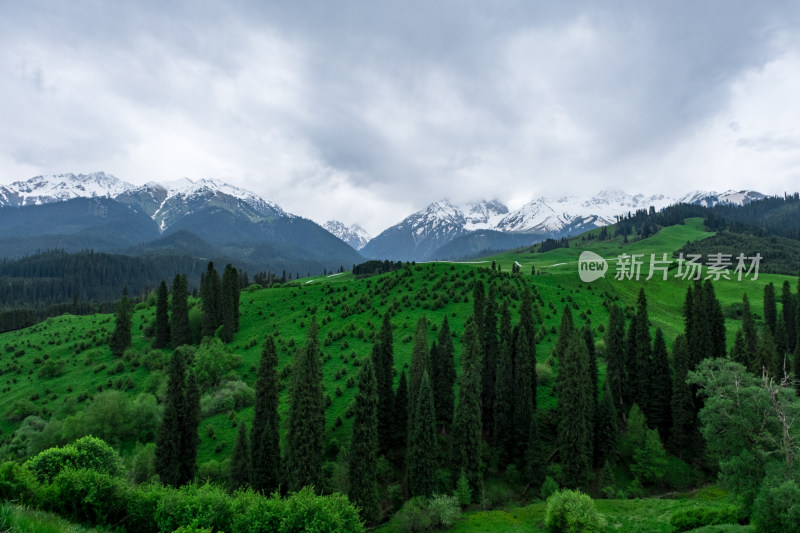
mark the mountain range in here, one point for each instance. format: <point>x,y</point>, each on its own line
<point>211,218</point>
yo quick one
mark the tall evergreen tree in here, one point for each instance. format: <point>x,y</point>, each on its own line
<point>767,355</point>
<point>179,319</point>
<point>443,376</point>
<point>716,322</point>
<point>738,351</point>
<point>770,308</point>
<point>229,303</point>
<point>422,443</point>
<point>190,441</point>
<point>750,333</point>
<point>565,331</point>
<point>169,439</point>
<point>575,418</point>
<point>490,348</point>
<point>640,355</point>
<point>788,314</point>
<point>467,424</point>
<point>419,362</point>
<point>660,388</point>
<point>383,365</point>
<point>364,445</point>
<point>305,438</point>
<point>616,368</point>
<point>504,436</point>
<point>210,292</point>
<point>605,428</point>
<point>162,317</point>
<point>686,441</point>
<point>265,434</point>
<point>240,460</point>
<point>588,338</point>
<point>533,463</point>
<point>121,338</point>
<point>401,413</point>
<point>524,404</point>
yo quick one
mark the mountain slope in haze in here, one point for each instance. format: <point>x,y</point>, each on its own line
<point>354,235</point>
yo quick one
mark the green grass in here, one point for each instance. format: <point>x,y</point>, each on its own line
<point>18,519</point>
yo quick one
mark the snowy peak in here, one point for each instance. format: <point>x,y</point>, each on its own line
<point>60,187</point>
<point>438,218</point>
<point>712,198</point>
<point>485,214</point>
<point>356,236</point>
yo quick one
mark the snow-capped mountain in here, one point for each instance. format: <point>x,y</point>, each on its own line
<point>485,214</point>
<point>59,187</point>
<point>712,198</point>
<point>354,235</point>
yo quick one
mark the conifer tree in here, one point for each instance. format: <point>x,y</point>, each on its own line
<point>121,338</point>
<point>210,292</point>
<point>750,333</point>
<point>229,303</point>
<point>179,319</point>
<point>738,353</point>
<point>796,357</point>
<point>564,332</point>
<point>788,314</point>
<point>660,388</point>
<point>363,469</point>
<point>419,362</point>
<point>443,374</point>
<point>504,436</point>
<point>605,428</point>
<point>575,418</point>
<point>768,357</point>
<point>685,438</point>
<point>770,308</point>
<point>640,358</point>
<point>588,338</point>
<point>616,369</point>
<point>467,424</point>
<point>176,451</point>
<point>781,339</point>
<point>264,436</point>
<point>524,406</point>
<point>490,348</point>
<point>190,442</point>
<point>715,321</point>
<point>240,460</point>
<point>383,365</point>
<point>401,413</point>
<point>162,317</point>
<point>305,438</point>
<point>422,443</point>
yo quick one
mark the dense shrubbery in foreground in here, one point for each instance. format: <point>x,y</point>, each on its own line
<point>97,496</point>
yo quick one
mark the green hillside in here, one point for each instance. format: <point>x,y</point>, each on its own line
<point>54,369</point>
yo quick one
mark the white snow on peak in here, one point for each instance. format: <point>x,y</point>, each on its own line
<point>60,187</point>
<point>484,214</point>
<point>354,235</point>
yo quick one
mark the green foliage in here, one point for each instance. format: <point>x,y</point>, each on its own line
<point>88,452</point>
<point>467,423</point>
<point>423,514</point>
<point>383,364</point>
<point>571,511</point>
<point>180,333</point>
<point>265,436</point>
<point>116,418</point>
<point>162,317</point>
<point>240,460</point>
<point>16,483</point>
<point>696,517</point>
<point>549,487</point>
<point>364,445</point>
<point>212,362</point>
<point>420,363</point>
<point>777,506</point>
<point>504,393</point>
<point>575,416</point>
<point>443,376</point>
<point>422,444</point>
<point>650,459</point>
<point>463,493</point>
<point>229,395</point>
<point>121,338</point>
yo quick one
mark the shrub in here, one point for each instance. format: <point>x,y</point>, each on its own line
<point>571,511</point>
<point>544,374</point>
<point>696,517</point>
<point>52,369</point>
<point>88,496</point>
<point>422,514</point>
<point>777,506</point>
<point>444,510</point>
<point>16,483</point>
<point>549,487</point>
<point>230,395</point>
<point>86,453</point>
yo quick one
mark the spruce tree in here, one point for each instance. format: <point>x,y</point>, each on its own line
<point>738,353</point>
<point>422,443</point>
<point>179,319</point>
<point>190,442</point>
<point>533,462</point>
<point>419,362</point>
<point>443,377</point>
<point>750,333</point>
<point>716,322</point>
<point>616,369</point>
<point>685,439</point>
<point>467,423</point>
<point>210,292</point>
<point>660,388</point>
<point>229,303</point>
<point>788,314</point>
<point>524,406</point>
<point>364,445</point>
<point>169,452</point>
<point>490,348</point>
<point>565,331</point>
<point>162,317</point>
<point>504,436</point>
<point>640,358</point>
<point>605,427</point>
<point>240,461</point>
<point>121,338</point>
<point>575,418</point>
<point>770,308</point>
<point>781,339</point>
<point>796,358</point>
<point>401,413</point>
<point>383,365</point>
<point>588,338</point>
<point>305,437</point>
<point>769,359</point>
<point>264,436</point>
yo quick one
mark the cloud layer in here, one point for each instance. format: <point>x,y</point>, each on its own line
<point>365,111</point>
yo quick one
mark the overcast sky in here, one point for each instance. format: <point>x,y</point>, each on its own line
<point>365,111</point>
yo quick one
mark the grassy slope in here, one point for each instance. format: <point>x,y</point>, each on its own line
<point>285,312</point>
<point>17,519</point>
